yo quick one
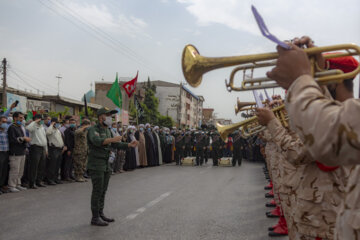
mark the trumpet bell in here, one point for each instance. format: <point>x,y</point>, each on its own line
<point>192,71</point>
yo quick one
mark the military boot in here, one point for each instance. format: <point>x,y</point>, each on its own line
<point>97,221</point>
<point>106,219</point>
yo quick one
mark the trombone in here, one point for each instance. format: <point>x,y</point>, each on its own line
<point>194,66</point>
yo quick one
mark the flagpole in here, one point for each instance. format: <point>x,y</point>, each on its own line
<point>137,119</point>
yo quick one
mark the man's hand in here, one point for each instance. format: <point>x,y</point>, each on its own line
<point>27,139</point>
<point>13,105</point>
<point>307,42</point>
<point>37,120</point>
<point>290,65</point>
<point>69,153</point>
<point>133,144</point>
<point>117,139</point>
<point>265,115</point>
<point>64,148</point>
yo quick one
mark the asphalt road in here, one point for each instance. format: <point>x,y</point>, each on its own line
<point>167,202</point>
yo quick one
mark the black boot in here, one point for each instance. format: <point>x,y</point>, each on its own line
<point>96,221</point>
<point>106,219</point>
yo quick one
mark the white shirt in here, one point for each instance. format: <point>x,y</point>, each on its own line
<point>37,134</point>
<point>54,137</point>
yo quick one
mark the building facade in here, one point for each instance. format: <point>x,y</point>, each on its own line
<point>175,100</point>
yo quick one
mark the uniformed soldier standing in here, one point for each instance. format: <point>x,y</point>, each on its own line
<point>200,148</point>
<point>188,144</point>
<point>215,145</point>
<point>179,146</point>
<point>80,151</point>
<point>238,145</point>
<point>100,141</point>
<point>207,146</point>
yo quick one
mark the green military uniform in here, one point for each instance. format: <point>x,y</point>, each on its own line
<point>99,166</point>
<point>200,144</point>
<point>80,153</point>
<point>179,146</point>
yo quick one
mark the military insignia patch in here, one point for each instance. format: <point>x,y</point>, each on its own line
<point>97,134</point>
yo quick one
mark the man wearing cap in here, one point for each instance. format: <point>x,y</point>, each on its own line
<point>56,148</point>
<point>38,152</point>
<point>100,142</point>
<point>330,130</point>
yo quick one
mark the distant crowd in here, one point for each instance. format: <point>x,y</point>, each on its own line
<point>49,151</point>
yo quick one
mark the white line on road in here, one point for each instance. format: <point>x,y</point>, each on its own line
<point>150,204</point>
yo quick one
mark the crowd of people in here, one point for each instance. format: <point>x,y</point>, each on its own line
<point>312,166</point>
<point>48,151</point>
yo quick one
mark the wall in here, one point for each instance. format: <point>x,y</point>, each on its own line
<point>168,101</point>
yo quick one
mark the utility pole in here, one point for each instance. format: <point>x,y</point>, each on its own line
<point>4,99</point>
<point>58,78</point>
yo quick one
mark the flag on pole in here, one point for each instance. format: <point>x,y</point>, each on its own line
<point>29,116</point>
<point>115,93</point>
<point>138,107</point>
<point>130,86</point>
<point>85,106</point>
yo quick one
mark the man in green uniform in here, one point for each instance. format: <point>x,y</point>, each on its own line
<point>100,141</point>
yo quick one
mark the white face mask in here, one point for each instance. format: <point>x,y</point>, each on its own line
<point>108,121</point>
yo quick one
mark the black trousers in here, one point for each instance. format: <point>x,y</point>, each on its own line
<point>67,166</point>
<point>199,157</point>
<point>179,154</point>
<point>53,164</point>
<point>237,157</point>
<point>36,164</point>
<point>4,168</point>
<point>215,156</point>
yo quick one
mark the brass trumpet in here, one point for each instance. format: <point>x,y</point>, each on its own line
<point>194,66</point>
<point>241,106</point>
<point>225,130</point>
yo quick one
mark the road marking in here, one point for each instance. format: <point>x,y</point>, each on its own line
<point>148,205</point>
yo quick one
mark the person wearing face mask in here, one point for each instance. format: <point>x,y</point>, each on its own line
<point>168,146</point>
<point>157,137</point>
<point>150,147</point>
<point>130,156</point>
<point>69,141</point>
<point>4,152</point>
<point>80,151</point>
<point>56,148</point>
<point>38,152</point>
<point>139,135</point>
<point>47,122</point>
<point>17,146</point>
<point>100,141</point>
<point>65,125</point>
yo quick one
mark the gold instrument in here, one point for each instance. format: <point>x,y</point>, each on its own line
<point>194,66</point>
<point>249,125</point>
<point>243,106</point>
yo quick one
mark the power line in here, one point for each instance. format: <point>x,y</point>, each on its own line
<point>96,32</point>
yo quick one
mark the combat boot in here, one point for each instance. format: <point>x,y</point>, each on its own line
<point>96,221</point>
<point>106,219</point>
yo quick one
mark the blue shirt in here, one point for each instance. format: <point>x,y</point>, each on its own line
<point>4,141</point>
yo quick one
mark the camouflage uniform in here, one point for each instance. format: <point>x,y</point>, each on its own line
<point>330,131</point>
<point>80,153</point>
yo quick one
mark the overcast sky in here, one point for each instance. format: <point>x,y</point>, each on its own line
<point>88,40</point>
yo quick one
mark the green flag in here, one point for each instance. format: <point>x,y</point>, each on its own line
<point>115,93</point>
<point>29,116</point>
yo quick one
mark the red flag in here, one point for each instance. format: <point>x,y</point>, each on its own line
<point>130,86</point>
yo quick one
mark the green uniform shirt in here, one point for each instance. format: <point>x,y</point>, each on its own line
<point>98,157</point>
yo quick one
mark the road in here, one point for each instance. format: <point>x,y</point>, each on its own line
<point>167,202</point>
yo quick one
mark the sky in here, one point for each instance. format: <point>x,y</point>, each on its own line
<point>84,41</point>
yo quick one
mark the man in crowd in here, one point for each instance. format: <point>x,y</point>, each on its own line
<point>238,145</point>
<point>179,147</point>
<point>4,152</point>
<point>200,147</point>
<point>69,141</point>
<point>17,146</point>
<point>56,148</point>
<point>38,152</point>
<point>150,147</point>
<point>100,141</point>
<point>80,151</point>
